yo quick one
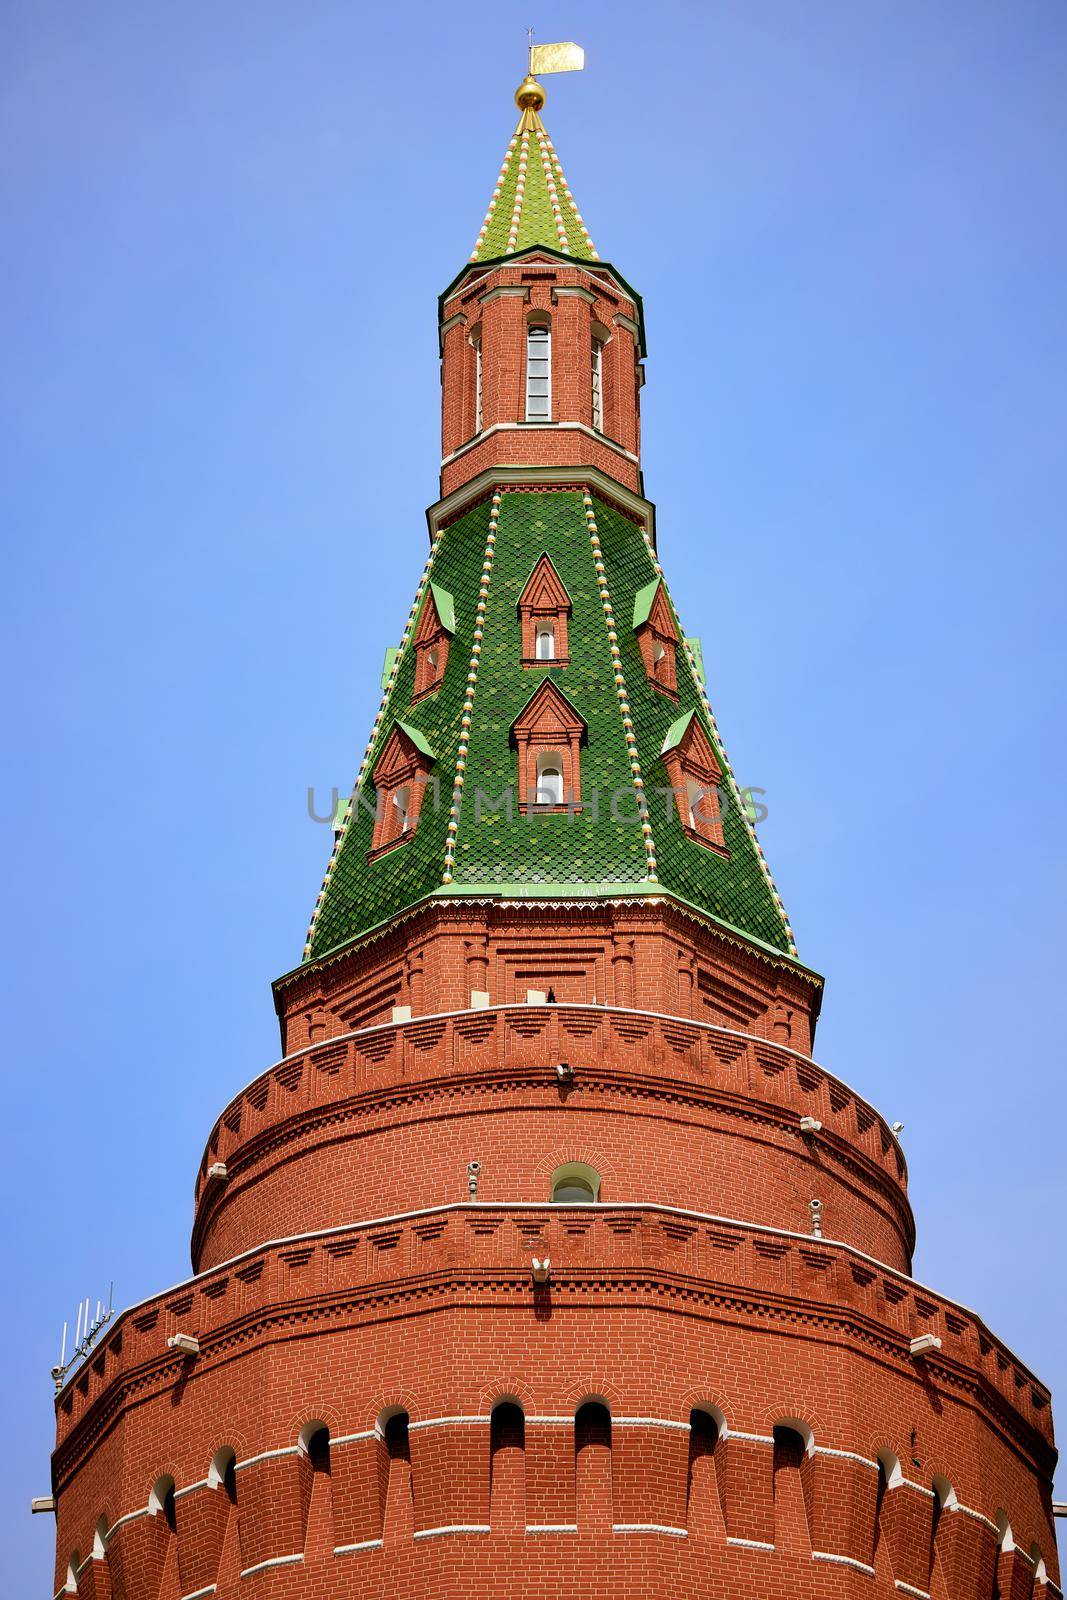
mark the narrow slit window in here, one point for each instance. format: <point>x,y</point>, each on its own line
<point>546,642</point>
<point>538,373</point>
<point>477,386</point>
<point>598,384</point>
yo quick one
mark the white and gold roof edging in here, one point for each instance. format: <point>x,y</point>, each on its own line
<point>547,145</point>
<point>520,193</point>
<point>620,687</point>
<point>340,836</point>
<point>734,787</point>
<point>468,698</point>
<point>495,197</point>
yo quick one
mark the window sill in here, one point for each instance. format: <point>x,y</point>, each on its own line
<point>527,810</point>
<point>556,661</point>
<point>709,844</point>
<point>394,844</point>
<point>421,694</point>
<point>664,690</point>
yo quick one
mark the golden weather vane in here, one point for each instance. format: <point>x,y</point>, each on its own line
<point>563,57</point>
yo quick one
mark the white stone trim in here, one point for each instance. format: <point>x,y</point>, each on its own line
<point>200,1594</point>
<point>274,1561</point>
<point>561,1420</point>
<point>354,1438</point>
<point>453,1527</point>
<point>908,1483</point>
<point>554,427</point>
<point>130,1516</point>
<point>909,1588</point>
<point>648,1422</point>
<point>191,1488</point>
<point>441,1422</point>
<point>752,1438</point>
<point>351,1549</point>
<point>968,1511</point>
<point>649,1527</point>
<point>842,1561</point>
<point>844,1455</point>
<point>749,1544</point>
<point>267,1455</point>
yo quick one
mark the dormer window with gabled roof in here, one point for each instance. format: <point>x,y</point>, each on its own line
<point>695,778</point>
<point>657,636</point>
<point>437,624</point>
<point>544,607</point>
<point>400,777</point>
<point>548,735</point>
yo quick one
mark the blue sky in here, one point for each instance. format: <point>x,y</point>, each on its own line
<point>225,229</point>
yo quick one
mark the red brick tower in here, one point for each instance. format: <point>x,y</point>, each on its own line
<point>546,1259</point>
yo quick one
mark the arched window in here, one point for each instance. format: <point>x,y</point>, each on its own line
<point>538,372</point>
<point>545,638</point>
<point>1040,1570</point>
<point>402,801</point>
<point>70,1586</point>
<point>575,1184</point>
<point>549,778</point>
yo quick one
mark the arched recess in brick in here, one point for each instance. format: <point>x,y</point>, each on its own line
<point>793,1467</point>
<point>507,1467</point>
<point>592,1467</point>
<point>316,1488</point>
<point>704,1511</point>
<point>397,1490</point>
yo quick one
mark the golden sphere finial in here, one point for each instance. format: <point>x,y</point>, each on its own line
<point>529,96</point>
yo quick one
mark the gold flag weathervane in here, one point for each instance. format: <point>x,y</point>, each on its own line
<point>555,57</point>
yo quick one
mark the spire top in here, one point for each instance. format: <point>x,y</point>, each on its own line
<point>532,203</point>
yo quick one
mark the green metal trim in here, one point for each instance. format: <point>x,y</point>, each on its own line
<point>418,739</point>
<point>446,607</point>
<point>677,731</point>
<point>643,602</point>
<point>696,650</point>
<point>387,665</point>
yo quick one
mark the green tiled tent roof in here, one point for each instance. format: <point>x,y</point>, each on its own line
<point>470,839</point>
<point>532,202</point>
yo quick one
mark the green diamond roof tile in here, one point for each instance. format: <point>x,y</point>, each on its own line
<point>599,850</point>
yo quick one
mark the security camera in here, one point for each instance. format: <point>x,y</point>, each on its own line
<point>474,1166</point>
<point>898,1127</point>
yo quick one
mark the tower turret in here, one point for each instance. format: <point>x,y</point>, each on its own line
<point>547,1258</point>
